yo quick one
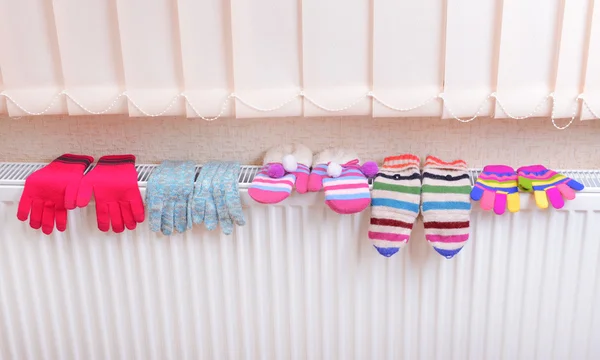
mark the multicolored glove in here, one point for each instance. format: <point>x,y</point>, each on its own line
<point>50,191</point>
<point>496,187</point>
<point>547,185</point>
<point>118,198</point>
<point>169,197</point>
<point>227,197</point>
<point>204,209</point>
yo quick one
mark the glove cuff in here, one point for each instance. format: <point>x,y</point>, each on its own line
<point>531,169</point>
<point>117,160</point>
<point>84,160</point>
<point>499,169</point>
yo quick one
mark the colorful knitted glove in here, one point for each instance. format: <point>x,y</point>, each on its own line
<point>395,203</point>
<point>50,191</point>
<point>547,185</point>
<point>446,206</point>
<point>227,197</point>
<point>118,199</point>
<point>169,196</point>
<point>496,187</point>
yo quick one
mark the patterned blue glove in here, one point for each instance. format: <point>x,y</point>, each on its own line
<point>227,197</point>
<point>204,209</point>
<point>169,196</point>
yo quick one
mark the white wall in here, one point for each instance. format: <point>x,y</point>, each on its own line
<point>481,142</point>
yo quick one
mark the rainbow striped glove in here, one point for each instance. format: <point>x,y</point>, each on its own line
<point>547,185</point>
<point>496,187</point>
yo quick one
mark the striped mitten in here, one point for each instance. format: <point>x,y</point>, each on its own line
<point>395,203</point>
<point>446,205</point>
<point>347,192</point>
<point>283,167</point>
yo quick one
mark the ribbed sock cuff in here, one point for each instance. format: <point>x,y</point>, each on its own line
<point>434,162</point>
<point>401,162</point>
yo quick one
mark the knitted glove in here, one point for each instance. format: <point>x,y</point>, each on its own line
<point>169,196</point>
<point>547,185</point>
<point>50,191</point>
<point>496,187</point>
<point>203,205</point>
<point>118,198</point>
<point>226,196</point>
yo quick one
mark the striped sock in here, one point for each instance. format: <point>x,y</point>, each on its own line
<point>267,190</point>
<point>349,192</point>
<point>395,203</point>
<point>315,179</point>
<point>446,206</point>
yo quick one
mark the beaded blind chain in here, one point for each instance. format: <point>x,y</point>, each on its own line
<point>302,94</point>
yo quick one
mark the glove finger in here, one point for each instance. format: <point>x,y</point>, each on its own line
<point>500,203</point>
<point>541,199</point>
<point>61,219</point>
<point>555,197</point>
<point>180,217</point>
<point>487,200</point>
<point>48,218</point>
<point>210,214</point>
<point>575,185</point>
<point>102,216</point>
<point>24,207</point>
<point>137,208</point>
<point>226,225</point>
<point>514,202</point>
<point>37,210</point>
<point>198,207</point>
<point>84,192</point>
<point>116,218</point>
<point>167,219</point>
<point>127,213</point>
<point>155,214</point>
<point>71,194</point>
<point>566,191</point>
<point>477,192</point>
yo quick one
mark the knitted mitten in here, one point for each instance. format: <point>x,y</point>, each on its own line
<point>321,165</point>
<point>446,206</point>
<point>496,187</point>
<point>395,204</point>
<point>283,166</point>
<point>547,185</point>
<point>347,188</point>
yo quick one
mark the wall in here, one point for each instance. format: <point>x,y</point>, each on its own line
<point>483,141</point>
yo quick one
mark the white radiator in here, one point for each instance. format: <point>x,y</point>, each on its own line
<point>301,282</point>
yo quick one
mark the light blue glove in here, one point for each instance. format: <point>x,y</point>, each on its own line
<point>227,197</point>
<point>204,209</point>
<point>169,196</point>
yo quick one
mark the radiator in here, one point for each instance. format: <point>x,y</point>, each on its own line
<point>301,282</point>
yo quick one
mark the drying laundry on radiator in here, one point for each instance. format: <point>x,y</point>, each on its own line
<point>176,200</point>
<point>62,185</point>
<point>337,171</point>
<point>497,187</point>
<point>440,194</point>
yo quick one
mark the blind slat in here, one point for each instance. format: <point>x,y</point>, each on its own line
<point>266,56</point>
<point>337,52</point>
<point>569,77</point>
<point>90,54</point>
<point>205,28</point>
<point>407,56</point>
<point>31,68</point>
<point>471,56</point>
<point>528,48</point>
<point>149,36</point>
<point>592,76</point>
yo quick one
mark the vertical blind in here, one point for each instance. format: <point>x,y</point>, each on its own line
<point>270,58</point>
